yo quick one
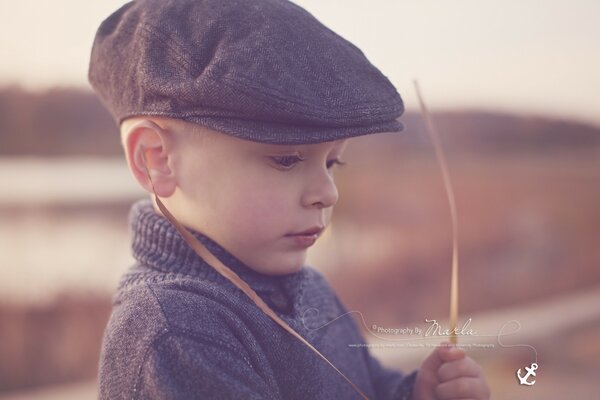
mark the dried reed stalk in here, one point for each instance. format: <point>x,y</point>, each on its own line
<point>222,269</point>
<point>450,193</point>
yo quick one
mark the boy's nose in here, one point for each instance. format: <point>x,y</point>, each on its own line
<point>320,192</point>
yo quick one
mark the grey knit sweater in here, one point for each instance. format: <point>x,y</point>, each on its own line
<point>179,330</point>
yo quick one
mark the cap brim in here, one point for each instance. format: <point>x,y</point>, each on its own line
<point>277,133</point>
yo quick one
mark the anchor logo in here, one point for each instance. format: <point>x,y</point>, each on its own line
<point>530,371</point>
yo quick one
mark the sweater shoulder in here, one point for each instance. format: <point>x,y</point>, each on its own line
<point>178,303</point>
<point>146,317</point>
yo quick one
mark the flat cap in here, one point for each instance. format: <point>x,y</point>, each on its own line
<point>261,70</point>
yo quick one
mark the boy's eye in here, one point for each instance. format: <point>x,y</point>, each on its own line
<point>287,162</point>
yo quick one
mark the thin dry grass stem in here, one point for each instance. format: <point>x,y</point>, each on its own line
<point>213,261</point>
<point>433,135</point>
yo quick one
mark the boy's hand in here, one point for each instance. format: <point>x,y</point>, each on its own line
<point>448,374</point>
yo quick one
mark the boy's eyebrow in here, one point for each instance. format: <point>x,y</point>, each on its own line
<point>302,147</point>
<point>283,146</point>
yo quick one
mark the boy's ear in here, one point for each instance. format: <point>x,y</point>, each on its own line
<point>148,138</point>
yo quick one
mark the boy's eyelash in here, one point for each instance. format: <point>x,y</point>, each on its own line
<point>338,162</point>
<point>281,161</point>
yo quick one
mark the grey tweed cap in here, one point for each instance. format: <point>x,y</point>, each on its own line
<point>261,70</point>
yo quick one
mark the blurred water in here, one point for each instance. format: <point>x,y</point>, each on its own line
<point>28,180</point>
<point>63,226</point>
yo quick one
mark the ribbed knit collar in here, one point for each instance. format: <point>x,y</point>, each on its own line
<point>156,244</point>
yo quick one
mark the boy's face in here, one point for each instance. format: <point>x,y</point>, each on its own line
<point>248,196</point>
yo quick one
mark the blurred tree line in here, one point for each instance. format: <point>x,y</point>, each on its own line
<point>55,122</point>
<point>70,121</point>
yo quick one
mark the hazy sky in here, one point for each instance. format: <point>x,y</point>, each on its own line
<point>540,56</point>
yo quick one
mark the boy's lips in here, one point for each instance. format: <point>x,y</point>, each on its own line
<point>307,237</point>
<point>315,230</point>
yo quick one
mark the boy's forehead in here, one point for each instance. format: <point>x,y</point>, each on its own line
<point>332,145</point>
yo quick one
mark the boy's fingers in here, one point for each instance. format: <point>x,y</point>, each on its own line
<point>440,355</point>
<point>454,369</point>
<point>448,352</point>
<point>432,362</point>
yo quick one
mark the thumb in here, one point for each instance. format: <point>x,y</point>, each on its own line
<point>443,353</point>
<point>449,352</point>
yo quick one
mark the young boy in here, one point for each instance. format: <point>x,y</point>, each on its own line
<point>233,114</point>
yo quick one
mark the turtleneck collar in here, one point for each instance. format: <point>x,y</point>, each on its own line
<point>157,244</point>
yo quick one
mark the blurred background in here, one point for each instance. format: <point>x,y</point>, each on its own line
<point>513,87</point>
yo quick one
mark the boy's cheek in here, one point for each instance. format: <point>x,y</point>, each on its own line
<point>256,216</point>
